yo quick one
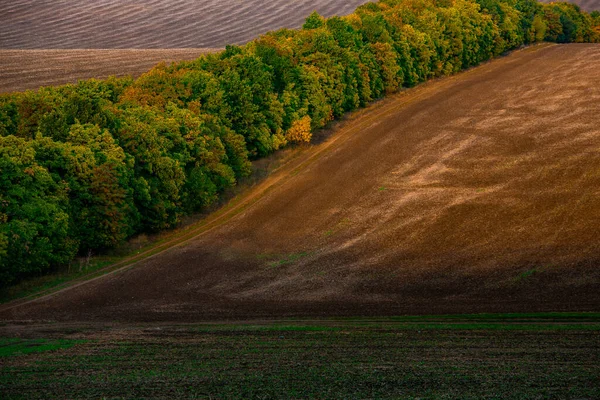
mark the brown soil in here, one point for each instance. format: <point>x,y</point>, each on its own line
<point>152,24</point>
<point>475,193</point>
<point>30,69</point>
<point>159,24</point>
<point>586,5</point>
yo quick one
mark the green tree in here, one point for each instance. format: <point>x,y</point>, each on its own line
<point>34,228</point>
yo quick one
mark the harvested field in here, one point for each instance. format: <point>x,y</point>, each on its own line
<point>30,69</point>
<point>156,24</point>
<point>474,193</point>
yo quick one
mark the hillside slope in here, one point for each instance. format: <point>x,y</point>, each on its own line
<point>474,193</point>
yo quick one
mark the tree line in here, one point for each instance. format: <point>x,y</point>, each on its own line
<point>86,166</point>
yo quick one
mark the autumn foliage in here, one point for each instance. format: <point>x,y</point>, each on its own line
<point>83,167</point>
<point>300,131</point>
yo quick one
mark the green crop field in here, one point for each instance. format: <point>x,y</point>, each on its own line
<point>510,356</point>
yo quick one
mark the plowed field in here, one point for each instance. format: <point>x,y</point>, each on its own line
<point>474,193</point>
<point>30,69</point>
<point>156,24</point>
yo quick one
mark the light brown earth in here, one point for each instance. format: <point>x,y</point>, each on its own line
<point>586,5</point>
<point>30,69</point>
<point>152,24</point>
<point>474,193</point>
<point>53,43</point>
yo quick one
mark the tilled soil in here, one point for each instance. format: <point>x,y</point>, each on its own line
<point>159,24</point>
<point>586,5</point>
<point>31,69</point>
<point>152,24</point>
<point>474,193</point>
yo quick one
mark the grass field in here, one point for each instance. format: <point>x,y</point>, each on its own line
<point>531,356</point>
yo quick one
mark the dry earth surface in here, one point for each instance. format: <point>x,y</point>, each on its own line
<point>124,24</point>
<point>30,69</point>
<point>586,5</point>
<point>145,34</point>
<point>41,42</point>
<point>474,193</point>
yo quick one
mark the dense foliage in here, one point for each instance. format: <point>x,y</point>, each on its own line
<point>86,166</point>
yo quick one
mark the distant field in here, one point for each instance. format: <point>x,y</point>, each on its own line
<point>144,34</point>
<point>30,69</point>
<point>587,5</point>
<point>126,24</point>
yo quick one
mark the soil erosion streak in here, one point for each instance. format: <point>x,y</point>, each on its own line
<point>474,193</point>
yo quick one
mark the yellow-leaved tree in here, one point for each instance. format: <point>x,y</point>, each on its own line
<point>299,132</point>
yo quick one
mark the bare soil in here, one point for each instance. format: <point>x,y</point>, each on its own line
<point>31,69</point>
<point>152,24</point>
<point>586,5</point>
<point>474,193</point>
